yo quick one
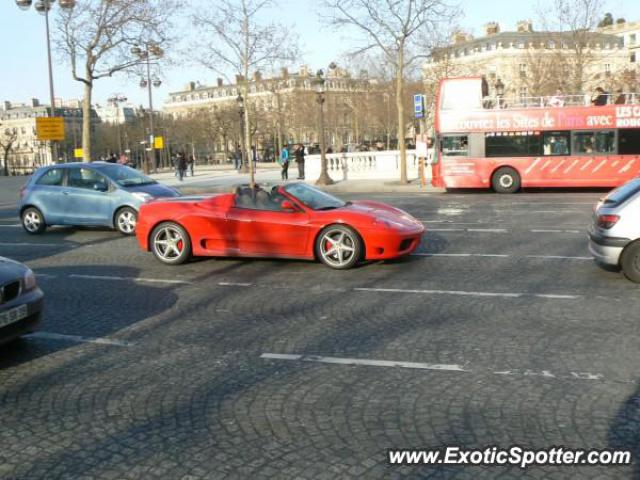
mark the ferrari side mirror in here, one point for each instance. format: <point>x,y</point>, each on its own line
<point>287,206</point>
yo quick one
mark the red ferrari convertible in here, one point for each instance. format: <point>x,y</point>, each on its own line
<point>290,221</point>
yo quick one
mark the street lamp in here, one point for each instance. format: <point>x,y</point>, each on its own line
<point>150,51</point>
<point>240,103</point>
<point>324,178</point>
<point>499,86</point>
<point>43,7</point>
<point>116,100</point>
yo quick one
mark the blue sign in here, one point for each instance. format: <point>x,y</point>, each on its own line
<point>418,106</point>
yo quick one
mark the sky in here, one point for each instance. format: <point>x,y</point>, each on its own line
<point>23,63</point>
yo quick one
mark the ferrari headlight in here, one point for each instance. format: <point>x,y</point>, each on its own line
<point>29,281</point>
<point>144,197</point>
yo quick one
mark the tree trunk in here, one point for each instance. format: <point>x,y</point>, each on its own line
<point>400,106</point>
<point>86,122</point>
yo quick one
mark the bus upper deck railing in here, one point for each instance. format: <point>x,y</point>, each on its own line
<point>561,100</point>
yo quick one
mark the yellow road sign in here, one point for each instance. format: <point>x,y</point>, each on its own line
<point>50,128</point>
<point>78,153</point>
<point>158,143</point>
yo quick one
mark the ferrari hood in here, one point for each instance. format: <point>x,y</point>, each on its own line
<point>382,211</point>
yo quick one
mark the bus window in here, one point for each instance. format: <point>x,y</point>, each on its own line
<point>504,145</point>
<point>455,146</point>
<point>556,143</point>
<point>629,141</point>
<point>586,143</point>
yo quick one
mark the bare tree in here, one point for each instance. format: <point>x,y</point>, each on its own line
<point>8,138</point>
<point>398,30</point>
<point>574,22</point>
<point>97,35</point>
<point>233,39</point>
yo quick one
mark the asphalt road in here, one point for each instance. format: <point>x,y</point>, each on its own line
<point>499,331</point>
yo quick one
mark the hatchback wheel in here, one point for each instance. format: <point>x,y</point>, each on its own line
<point>630,261</point>
<point>170,243</point>
<point>33,221</point>
<point>339,247</point>
<point>126,220</point>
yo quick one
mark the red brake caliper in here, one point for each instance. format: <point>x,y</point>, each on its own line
<point>180,245</point>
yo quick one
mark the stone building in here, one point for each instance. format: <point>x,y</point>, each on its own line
<point>530,63</point>
<point>27,152</point>
<point>284,106</point>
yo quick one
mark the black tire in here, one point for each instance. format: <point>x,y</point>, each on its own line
<point>33,221</point>
<point>630,261</point>
<point>505,180</point>
<point>351,246</point>
<point>175,236</point>
<point>125,220</point>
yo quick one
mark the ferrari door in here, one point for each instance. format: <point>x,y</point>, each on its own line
<point>274,233</point>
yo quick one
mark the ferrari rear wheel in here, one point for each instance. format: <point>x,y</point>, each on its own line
<point>339,247</point>
<point>170,243</point>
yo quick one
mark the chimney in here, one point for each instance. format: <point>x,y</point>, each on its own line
<point>525,26</point>
<point>284,72</point>
<point>35,102</point>
<point>220,82</point>
<point>257,76</point>
<point>6,105</point>
<point>239,79</point>
<point>191,86</point>
<point>491,28</point>
<point>459,37</point>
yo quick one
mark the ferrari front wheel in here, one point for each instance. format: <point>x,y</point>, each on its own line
<point>170,243</point>
<point>339,247</point>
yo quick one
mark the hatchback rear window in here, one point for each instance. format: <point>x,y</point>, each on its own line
<point>623,193</point>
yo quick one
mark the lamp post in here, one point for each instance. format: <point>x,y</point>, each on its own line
<point>240,103</point>
<point>116,100</point>
<point>43,7</point>
<point>149,52</point>
<point>324,178</point>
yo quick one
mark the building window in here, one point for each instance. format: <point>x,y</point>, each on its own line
<point>632,39</point>
<point>551,44</point>
<point>607,69</point>
<point>522,68</point>
<point>520,44</point>
<point>632,58</point>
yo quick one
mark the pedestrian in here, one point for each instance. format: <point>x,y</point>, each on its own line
<point>299,154</point>
<point>237,158</point>
<point>190,164</point>
<point>283,160</point>
<point>182,165</point>
<point>599,98</point>
<point>254,156</point>
<point>621,98</point>
<point>557,100</point>
<point>176,165</point>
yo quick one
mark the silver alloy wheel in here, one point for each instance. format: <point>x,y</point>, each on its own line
<point>169,243</point>
<point>127,221</point>
<point>337,247</point>
<point>32,221</point>
<point>506,181</point>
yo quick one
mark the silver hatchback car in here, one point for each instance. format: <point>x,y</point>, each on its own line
<point>614,236</point>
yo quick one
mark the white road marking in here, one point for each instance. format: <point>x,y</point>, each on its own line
<point>469,293</point>
<point>10,226</point>
<point>488,230</point>
<point>79,339</point>
<point>554,231</point>
<point>430,366</point>
<point>498,255</point>
<point>364,362</point>
<point>558,257</point>
<point>232,284</point>
<point>446,230</point>
<point>130,279</point>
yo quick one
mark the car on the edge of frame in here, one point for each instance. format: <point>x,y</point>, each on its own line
<point>614,235</point>
<point>21,301</point>
<point>87,194</point>
<point>293,220</point>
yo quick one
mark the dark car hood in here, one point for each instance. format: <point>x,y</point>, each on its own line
<point>154,189</point>
<point>10,270</point>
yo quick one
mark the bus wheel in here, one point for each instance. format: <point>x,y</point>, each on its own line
<point>505,180</point>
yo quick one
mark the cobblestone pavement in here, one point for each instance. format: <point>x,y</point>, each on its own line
<point>146,371</point>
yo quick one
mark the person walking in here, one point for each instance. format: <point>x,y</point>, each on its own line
<point>299,154</point>
<point>190,164</point>
<point>237,158</point>
<point>182,165</point>
<point>283,160</point>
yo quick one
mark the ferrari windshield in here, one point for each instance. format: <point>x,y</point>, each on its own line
<point>125,176</point>
<point>313,198</point>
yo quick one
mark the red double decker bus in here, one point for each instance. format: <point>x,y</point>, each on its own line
<point>561,141</point>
